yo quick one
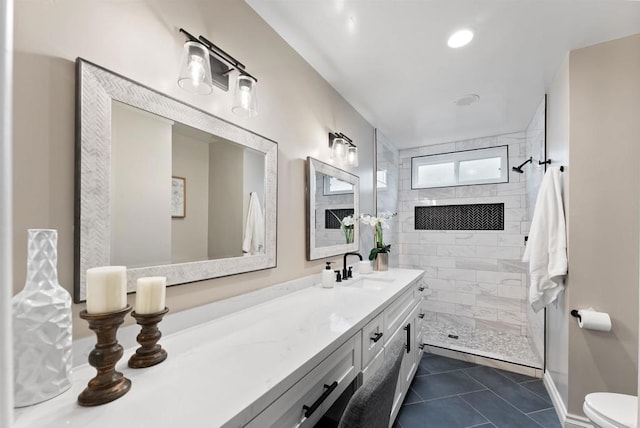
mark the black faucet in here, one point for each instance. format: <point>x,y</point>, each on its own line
<point>348,274</point>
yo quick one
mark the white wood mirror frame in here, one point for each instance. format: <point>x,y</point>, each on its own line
<point>96,89</point>
<point>314,251</point>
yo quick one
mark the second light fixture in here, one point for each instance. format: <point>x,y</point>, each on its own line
<point>342,149</point>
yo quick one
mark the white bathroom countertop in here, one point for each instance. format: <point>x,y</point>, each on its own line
<point>224,372</point>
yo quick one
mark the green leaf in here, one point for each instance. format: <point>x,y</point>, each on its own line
<point>375,251</point>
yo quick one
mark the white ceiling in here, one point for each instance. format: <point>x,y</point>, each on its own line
<point>390,60</point>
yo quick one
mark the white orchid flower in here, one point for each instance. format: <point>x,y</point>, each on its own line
<point>347,221</point>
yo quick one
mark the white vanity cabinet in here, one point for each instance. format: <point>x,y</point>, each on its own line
<point>305,403</point>
<point>399,320</point>
<point>279,362</point>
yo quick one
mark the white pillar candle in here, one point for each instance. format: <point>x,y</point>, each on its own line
<point>151,294</point>
<point>106,289</point>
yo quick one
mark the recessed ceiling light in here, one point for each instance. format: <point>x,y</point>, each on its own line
<point>467,100</point>
<point>460,38</point>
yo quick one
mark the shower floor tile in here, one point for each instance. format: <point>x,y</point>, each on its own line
<point>486,343</point>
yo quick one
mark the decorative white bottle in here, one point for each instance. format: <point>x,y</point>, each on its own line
<point>42,325</point>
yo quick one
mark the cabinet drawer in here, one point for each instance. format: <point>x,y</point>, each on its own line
<point>373,366</point>
<point>396,312</point>
<point>421,289</point>
<point>306,401</point>
<point>372,339</point>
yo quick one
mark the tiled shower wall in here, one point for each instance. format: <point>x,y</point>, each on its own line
<point>535,147</point>
<point>387,159</point>
<point>476,278</point>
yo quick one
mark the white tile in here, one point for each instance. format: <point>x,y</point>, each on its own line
<point>439,307</point>
<point>477,263</point>
<point>440,284</point>
<point>438,261</point>
<point>488,288</point>
<point>476,191</point>
<point>436,149</point>
<point>517,318</point>
<point>516,214</point>
<point>438,193</point>
<point>476,238</point>
<point>512,201</point>
<point>461,274</point>
<point>509,278</point>
<point>432,237</point>
<point>506,189</point>
<point>457,298</point>
<point>511,239</point>
<point>477,312</point>
<point>456,251</point>
<point>496,252</point>
<point>512,266</point>
<point>420,249</point>
<point>513,227</point>
<point>409,260</point>
<point>498,326</point>
<point>512,291</point>
<point>500,303</point>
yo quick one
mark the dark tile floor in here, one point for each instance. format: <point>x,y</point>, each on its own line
<point>448,393</point>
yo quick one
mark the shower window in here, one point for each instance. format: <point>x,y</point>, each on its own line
<point>481,166</point>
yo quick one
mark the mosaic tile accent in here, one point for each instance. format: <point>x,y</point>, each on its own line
<point>330,220</point>
<point>486,343</point>
<point>460,217</point>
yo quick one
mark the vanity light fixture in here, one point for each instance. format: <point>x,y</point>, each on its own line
<point>204,64</point>
<point>342,149</point>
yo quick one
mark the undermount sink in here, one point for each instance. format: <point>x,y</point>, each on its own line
<point>370,283</point>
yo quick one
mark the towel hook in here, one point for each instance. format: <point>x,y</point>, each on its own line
<point>548,161</point>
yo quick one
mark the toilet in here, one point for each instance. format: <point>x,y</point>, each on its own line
<point>610,410</point>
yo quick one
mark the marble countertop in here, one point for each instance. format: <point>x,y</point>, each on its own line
<point>222,373</point>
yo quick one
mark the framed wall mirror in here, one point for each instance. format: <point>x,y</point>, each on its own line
<point>167,189</point>
<point>332,210</point>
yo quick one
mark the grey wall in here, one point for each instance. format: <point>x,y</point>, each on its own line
<point>141,206</point>
<point>226,199</point>
<point>189,235</point>
<point>604,213</point>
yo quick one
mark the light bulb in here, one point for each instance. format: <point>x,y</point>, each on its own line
<point>196,69</point>
<point>245,96</point>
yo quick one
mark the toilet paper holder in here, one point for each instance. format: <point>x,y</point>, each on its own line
<point>576,314</point>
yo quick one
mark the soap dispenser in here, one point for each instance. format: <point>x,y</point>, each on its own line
<point>328,278</point>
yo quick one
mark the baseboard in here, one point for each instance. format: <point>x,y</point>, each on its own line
<point>567,420</point>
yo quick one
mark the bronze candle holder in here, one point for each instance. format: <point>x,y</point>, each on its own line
<point>149,353</point>
<point>108,384</point>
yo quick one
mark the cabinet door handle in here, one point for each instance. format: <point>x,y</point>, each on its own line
<point>421,289</point>
<point>376,337</point>
<point>421,316</point>
<point>422,345</point>
<point>328,390</point>
<point>408,330</point>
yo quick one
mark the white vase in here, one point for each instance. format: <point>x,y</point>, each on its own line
<point>41,326</point>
